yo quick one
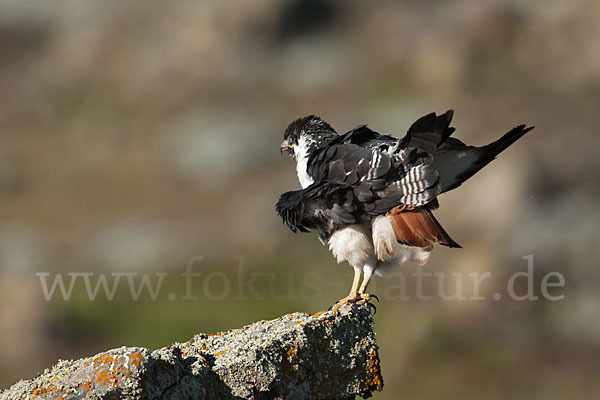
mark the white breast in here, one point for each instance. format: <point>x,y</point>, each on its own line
<point>301,152</point>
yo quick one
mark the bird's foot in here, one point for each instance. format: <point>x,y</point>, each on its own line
<point>354,298</point>
<point>366,297</point>
<point>350,299</point>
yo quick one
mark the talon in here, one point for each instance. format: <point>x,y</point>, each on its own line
<point>367,296</point>
<point>374,309</point>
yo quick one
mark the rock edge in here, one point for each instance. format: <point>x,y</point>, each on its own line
<point>297,356</point>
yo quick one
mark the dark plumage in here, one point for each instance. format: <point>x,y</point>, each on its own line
<point>362,173</point>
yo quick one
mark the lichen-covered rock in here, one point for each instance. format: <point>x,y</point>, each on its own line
<point>297,356</point>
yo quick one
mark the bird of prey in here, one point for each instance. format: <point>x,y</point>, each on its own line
<point>370,197</point>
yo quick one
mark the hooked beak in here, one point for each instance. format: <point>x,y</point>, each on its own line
<point>285,146</point>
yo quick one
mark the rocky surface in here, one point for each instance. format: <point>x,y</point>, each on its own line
<point>297,356</point>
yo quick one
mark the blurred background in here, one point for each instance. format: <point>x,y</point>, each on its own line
<point>137,135</point>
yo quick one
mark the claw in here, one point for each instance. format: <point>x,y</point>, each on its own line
<point>374,309</point>
<point>368,297</point>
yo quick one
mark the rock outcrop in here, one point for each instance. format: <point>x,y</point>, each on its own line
<point>296,356</point>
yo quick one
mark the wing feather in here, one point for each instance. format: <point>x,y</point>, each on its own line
<point>363,174</point>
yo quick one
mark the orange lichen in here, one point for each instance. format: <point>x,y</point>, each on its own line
<point>136,359</point>
<point>110,371</point>
<point>103,359</point>
<point>107,378</point>
<point>374,379</point>
<point>317,315</point>
<point>221,352</point>
<point>291,352</point>
<point>51,389</point>
<point>205,362</point>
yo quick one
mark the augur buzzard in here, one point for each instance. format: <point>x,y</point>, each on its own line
<point>371,197</point>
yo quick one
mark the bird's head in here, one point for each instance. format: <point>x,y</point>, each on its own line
<point>305,134</point>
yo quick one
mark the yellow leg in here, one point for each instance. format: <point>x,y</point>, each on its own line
<point>353,296</point>
<point>363,286</point>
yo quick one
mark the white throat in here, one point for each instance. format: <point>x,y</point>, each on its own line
<point>301,153</point>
